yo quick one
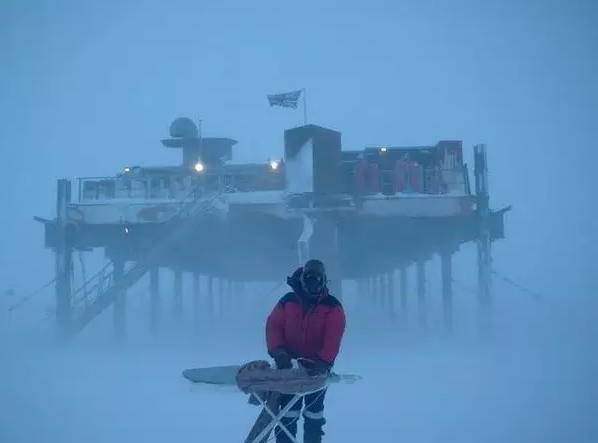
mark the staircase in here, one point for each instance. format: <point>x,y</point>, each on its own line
<point>101,290</point>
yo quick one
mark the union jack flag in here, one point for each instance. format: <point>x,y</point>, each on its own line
<point>285,100</point>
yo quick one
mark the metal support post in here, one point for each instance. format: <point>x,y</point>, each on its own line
<point>403,292</point>
<point>196,295</point>
<point>421,292</point>
<point>210,298</point>
<point>63,260</point>
<point>118,264</point>
<point>390,294</point>
<point>154,299</point>
<point>484,237</point>
<point>376,291</point>
<point>178,295</point>
<point>221,293</point>
<point>447,287</point>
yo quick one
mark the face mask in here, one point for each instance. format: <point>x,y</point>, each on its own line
<point>312,283</point>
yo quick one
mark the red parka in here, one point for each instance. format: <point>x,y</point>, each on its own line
<point>306,327</point>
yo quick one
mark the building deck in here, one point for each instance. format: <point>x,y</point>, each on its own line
<point>364,213</point>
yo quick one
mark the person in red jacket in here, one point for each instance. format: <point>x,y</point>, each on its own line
<point>306,324</point>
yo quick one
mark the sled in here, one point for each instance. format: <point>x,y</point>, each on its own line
<point>265,385</point>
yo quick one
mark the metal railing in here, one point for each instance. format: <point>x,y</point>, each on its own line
<point>413,180</point>
<point>172,187</point>
<point>99,291</point>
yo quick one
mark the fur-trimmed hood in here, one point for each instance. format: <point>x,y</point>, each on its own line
<point>295,284</point>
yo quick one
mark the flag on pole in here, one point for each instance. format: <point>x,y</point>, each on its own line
<point>286,99</point>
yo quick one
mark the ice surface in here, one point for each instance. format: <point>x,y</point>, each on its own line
<point>413,390</point>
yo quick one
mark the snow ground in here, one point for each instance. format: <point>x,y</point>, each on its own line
<point>416,393</point>
<point>536,382</point>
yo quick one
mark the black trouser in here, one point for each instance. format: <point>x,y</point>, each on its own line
<point>313,418</point>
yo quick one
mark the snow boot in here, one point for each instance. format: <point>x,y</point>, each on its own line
<point>312,430</point>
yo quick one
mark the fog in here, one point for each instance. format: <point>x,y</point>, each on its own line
<point>89,87</point>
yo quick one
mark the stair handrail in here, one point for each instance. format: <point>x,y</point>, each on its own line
<point>195,197</point>
<point>131,275</point>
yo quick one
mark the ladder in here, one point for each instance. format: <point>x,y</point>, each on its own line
<point>107,286</point>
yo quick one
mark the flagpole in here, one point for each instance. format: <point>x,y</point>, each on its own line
<point>304,107</point>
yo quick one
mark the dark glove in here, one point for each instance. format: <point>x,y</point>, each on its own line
<point>316,367</point>
<point>282,359</point>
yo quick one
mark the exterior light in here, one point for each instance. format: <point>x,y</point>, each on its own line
<point>274,165</point>
<point>383,149</point>
<point>127,169</point>
<point>198,167</point>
